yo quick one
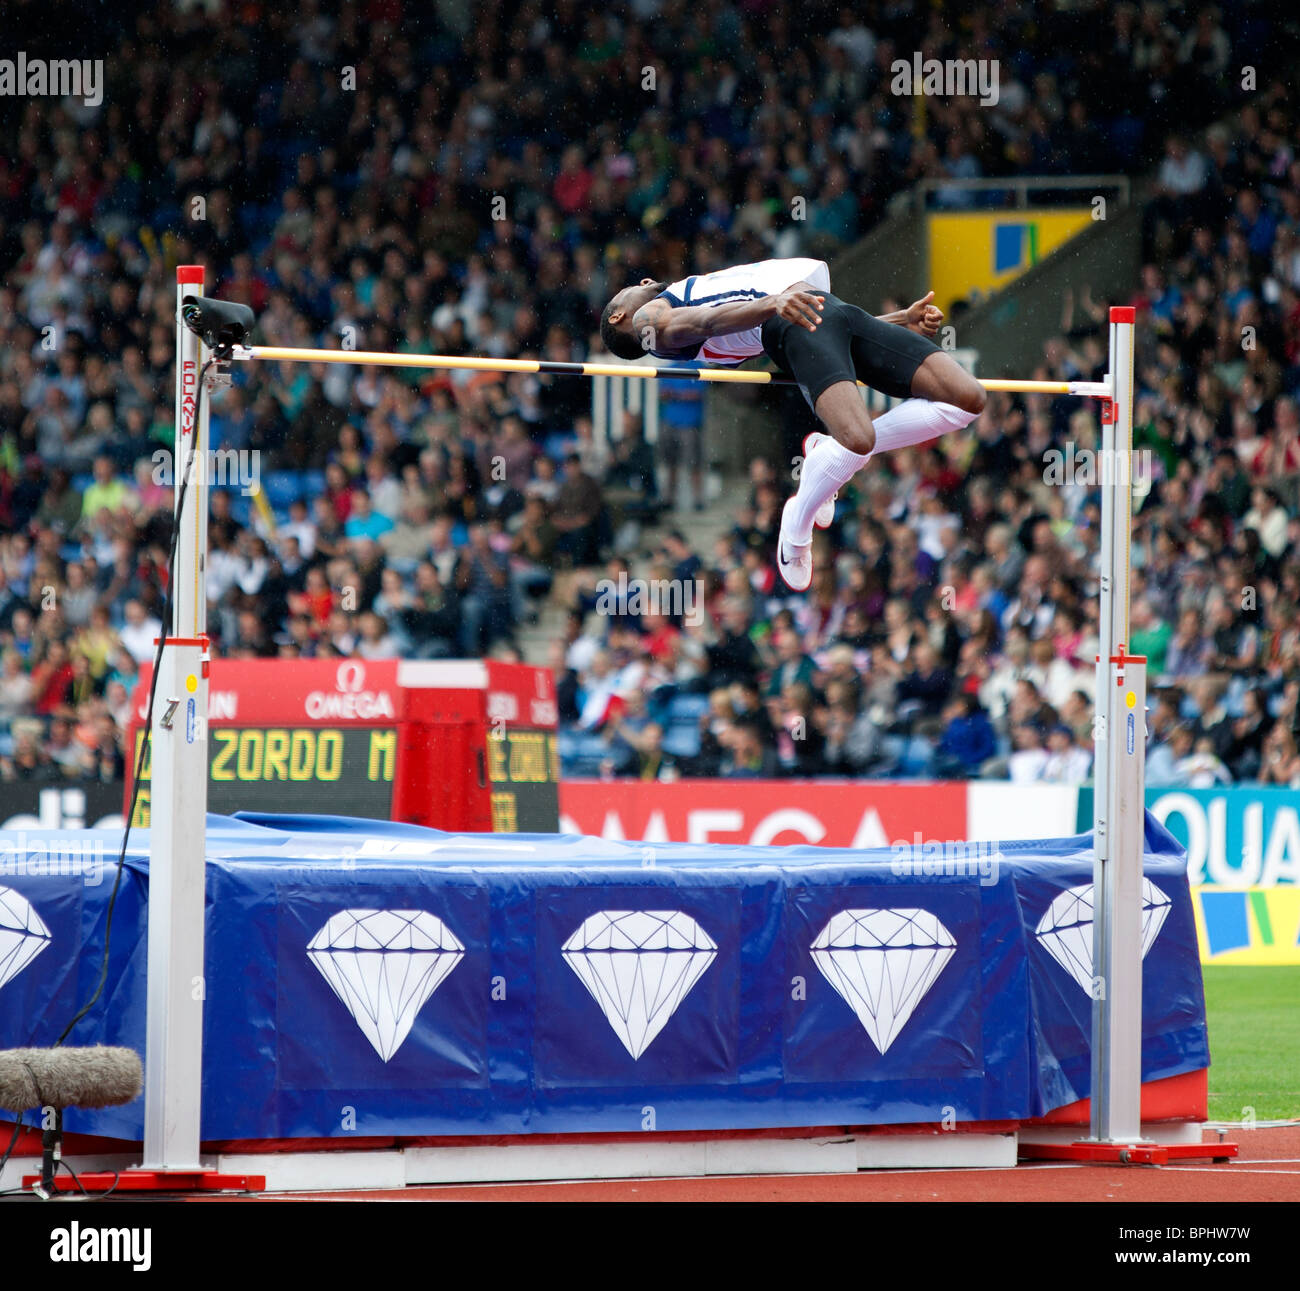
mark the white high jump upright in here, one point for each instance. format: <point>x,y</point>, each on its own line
<point>1118,803</point>
<point>179,797</point>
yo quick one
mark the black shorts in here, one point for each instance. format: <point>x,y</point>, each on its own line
<point>848,345</point>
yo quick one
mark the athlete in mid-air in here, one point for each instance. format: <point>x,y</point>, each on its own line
<point>785,309</point>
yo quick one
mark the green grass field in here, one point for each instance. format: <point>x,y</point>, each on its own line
<point>1254,1021</point>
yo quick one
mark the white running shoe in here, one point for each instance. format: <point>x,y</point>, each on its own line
<point>793,562</point>
<point>825,516</point>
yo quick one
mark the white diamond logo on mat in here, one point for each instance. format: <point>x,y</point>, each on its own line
<point>883,963</point>
<point>384,965</point>
<point>1065,930</point>
<point>23,934</point>
<point>639,965</point>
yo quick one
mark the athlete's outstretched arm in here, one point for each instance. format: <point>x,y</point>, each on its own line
<point>659,326</point>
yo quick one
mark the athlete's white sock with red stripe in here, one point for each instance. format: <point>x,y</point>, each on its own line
<point>917,421</point>
<point>825,471</point>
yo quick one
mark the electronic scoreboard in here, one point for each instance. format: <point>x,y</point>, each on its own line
<point>456,745</point>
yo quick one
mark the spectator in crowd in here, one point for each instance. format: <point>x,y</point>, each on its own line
<point>579,511</point>
<point>968,739</point>
<point>745,755</point>
<point>1066,762</point>
<point>1281,761</point>
<point>681,438</point>
<point>1164,757</point>
<point>1027,762</point>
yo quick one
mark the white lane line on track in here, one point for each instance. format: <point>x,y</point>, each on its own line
<point>1269,1161</point>
<point>875,1174</point>
<point>1214,1169</point>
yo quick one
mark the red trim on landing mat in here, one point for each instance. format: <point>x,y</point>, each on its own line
<point>1176,1098</point>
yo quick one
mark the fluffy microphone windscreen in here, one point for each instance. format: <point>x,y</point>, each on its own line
<point>93,1076</point>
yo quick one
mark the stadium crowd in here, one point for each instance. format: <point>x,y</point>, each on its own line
<point>385,179</point>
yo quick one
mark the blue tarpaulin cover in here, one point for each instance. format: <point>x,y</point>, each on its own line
<point>373,978</point>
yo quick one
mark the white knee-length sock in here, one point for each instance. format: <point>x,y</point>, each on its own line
<point>825,471</point>
<point>831,465</point>
<point>917,421</point>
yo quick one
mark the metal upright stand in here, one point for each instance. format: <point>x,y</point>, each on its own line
<point>1119,817</point>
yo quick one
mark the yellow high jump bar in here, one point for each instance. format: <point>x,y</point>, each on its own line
<point>374,358</point>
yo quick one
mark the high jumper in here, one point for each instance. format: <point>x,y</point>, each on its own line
<point>786,310</point>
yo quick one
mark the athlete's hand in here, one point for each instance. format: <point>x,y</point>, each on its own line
<point>800,307</point>
<point>923,317</point>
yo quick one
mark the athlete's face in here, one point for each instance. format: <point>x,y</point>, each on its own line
<point>630,299</point>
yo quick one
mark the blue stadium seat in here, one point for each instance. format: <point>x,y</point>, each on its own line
<point>581,752</point>
<point>557,444</point>
<point>682,740</point>
<point>689,707</point>
<point>282,488</point>
<point>917,759</point>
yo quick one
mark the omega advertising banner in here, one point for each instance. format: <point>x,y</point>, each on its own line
<point>846,813</point>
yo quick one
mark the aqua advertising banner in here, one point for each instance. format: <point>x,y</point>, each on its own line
<point>1243,862</point>
<point>1240,836</point>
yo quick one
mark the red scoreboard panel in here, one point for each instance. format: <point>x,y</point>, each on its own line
<point>457,745</point>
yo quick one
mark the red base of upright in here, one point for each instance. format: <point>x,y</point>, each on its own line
<point>154,1181</point>
<point>1127,1153</point>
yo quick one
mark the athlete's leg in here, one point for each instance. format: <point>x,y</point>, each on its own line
<point>945,398</point>
<point>942,379</point>
<point>822,364</point>
<point>836,460</point>
<point>939,394</point>
<point>824,472</point>
<point>841,409</point>
<point>917,421</point>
